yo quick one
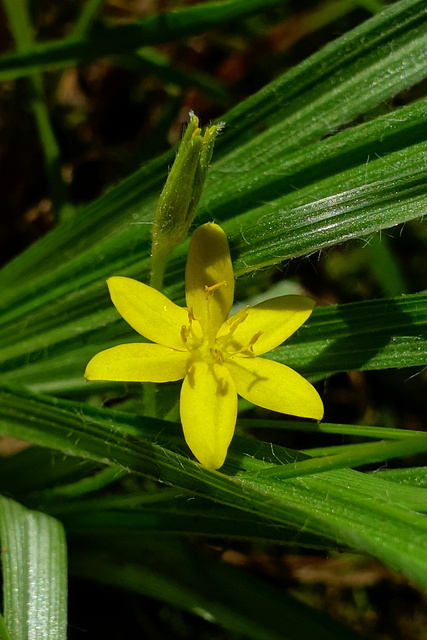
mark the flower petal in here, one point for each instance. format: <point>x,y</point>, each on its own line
<point>272,320</point>
<point>138,362</point>
<point>148,311</point>
<point>209,264</point>
<point>276,387</point>
<point>208,412</point>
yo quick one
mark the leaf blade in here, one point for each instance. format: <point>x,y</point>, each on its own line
<point>345,506</point>
<point>34,573</point>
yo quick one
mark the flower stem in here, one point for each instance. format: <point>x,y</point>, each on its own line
<point>159,260</point>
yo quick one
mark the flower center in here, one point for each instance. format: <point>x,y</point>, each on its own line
<point>224,346</point>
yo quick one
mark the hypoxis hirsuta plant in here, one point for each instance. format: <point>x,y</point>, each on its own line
<point>215,355</point>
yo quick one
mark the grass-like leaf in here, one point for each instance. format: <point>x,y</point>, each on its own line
<point>20,24</point>
<point>340,205</point>
<point>345,506</point>
<point>364,335</point>
<point>362,431</point>
<point>216,591</point>
<point>411,476</point>
<point>34,573</point>
<point>298,109</point>
<point>4,633</point>
<point>352,456</point>
<point>106,41</point>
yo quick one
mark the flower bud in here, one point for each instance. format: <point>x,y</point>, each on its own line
<point>181,194</point>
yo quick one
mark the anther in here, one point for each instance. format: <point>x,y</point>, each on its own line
<point>209,290</point>
<point>191,316</point>
<point>248,348</point>
<point>254,339</point>
<point>237,319</point>
<point>217,354</point>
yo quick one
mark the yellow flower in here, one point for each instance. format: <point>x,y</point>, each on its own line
<point>216,356</point>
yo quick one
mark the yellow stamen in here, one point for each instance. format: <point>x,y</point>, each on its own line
<point>217,354</point>
<point>189,334</point>
<point>209,290</point>
<point>191,316</point>
<point>248,348</point>
<point>237,319</point>
<point>254,339</point>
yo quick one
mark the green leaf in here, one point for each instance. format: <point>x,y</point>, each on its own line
<point>20,23</point>
<point>351,456</point>
<point>154,63</point>
<point>307,103</point>
<point>58,476</point>
<point>413,476</point>
<point>34,573</point>
<point>375,334</point>
<point>53,315</point>
<point>363,431</point>
<point>385,266</point>
<point>172,572</point>
<point>177,516</point>
<point>106,41</point>
<point>346,506</point>
<point>88,14</point>
<point>4,634</point>
<point>364,335</point>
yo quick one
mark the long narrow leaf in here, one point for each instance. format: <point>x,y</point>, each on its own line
<point>365,335</point>
<point>127,38</point>
<point>4,633</point>
<point>346,506</point>
<point>293,99</point>
<point>359,454</point>
<point>216,591</point>
<point>75,294</point>
<point>363,431</point>
<point>34,573</point>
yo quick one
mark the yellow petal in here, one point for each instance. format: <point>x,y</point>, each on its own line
<point>148,311</point>
<point>276,387</point>
<point>208,265</point>
<point>138,362</point>
<point>273,321</point>
<point>208,412</point>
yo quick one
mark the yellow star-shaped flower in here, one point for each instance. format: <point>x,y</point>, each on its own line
<point>216,356</point>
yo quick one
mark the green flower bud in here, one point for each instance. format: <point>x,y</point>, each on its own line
<point>181,194</point>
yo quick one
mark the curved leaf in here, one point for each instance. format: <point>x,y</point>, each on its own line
<point>345,506</point>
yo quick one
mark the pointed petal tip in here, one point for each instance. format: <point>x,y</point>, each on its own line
<point>208,410</point>
<point>314,409</point>
<point>209,232</point>
<point>318,415</point>
<point>88,374</point>
<point>276,387</point>
<point>114,281</point>
<point>209,268</point>
<point>92,372</point>
<point>310,303</point>
<point>115,286</point>
<point>211,226</point>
